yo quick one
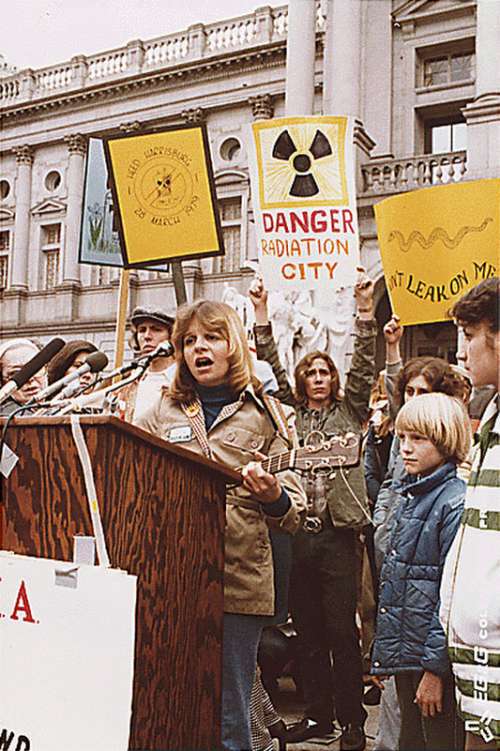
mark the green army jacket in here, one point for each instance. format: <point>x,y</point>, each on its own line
<point>346,489</point>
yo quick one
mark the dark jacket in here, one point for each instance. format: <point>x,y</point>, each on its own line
<point>346,491</point>
<point>376,459</point>
<point>409,635</point>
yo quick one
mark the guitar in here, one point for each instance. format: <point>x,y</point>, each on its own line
<point>338,451</point>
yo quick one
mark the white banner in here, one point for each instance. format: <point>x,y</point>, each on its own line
<point>304,200</point>
<point>67,635</point>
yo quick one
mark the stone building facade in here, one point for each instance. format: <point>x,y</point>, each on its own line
<point>428,110</point>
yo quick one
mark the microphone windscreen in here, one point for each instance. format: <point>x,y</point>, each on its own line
<point>97,361</point>
<point>38,362</point>
<point>165,349</point>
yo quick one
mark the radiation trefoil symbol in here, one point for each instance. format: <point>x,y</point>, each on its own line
<point>303,164</point>
<point>304,184</point>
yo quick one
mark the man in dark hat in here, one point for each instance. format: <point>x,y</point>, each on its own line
<point>150,328</point>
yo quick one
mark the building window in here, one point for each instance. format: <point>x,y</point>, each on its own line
<point>4,241</point>
<point>4,189</point>
<point>442,137</point>
<point>447,64</point>
<point>230,216</point>
<point>4,258</point>
<point>51,250</point>
<point>230,149</point>
<point>448,69</point>
<point>52,181</point>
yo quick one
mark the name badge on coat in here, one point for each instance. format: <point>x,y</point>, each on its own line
<point>182,434</point>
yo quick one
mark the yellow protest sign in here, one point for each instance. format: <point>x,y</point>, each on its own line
<point>436,244</point>
<point>163,187</point>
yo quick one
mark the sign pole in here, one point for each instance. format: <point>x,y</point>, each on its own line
<point>121,319</point>
<point>179,284</point>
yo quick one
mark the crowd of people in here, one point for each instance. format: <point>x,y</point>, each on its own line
<point>387,572</point>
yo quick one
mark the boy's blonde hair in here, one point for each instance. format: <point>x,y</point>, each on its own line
<point>214,317</point>
<point>440,418</point>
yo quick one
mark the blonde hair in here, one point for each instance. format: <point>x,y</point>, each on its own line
<point>440,418</point>
<point>222,319</point>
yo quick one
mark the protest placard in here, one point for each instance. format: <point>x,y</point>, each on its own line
<point>164,193</point>
<point>436,244</point>
<point>67,640</point>
<point>304,199</point>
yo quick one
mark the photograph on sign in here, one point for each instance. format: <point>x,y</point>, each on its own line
<point>99,239</point>
<point>164,191</point>
<point>436,244</point>
<point>303,192</point>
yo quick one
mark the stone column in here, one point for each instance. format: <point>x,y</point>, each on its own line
<point>262,106</point>
<point>20,254</point>
<point>483,114</point>
<point>77,147</point>
<point>343,74</point>
<point>342,65</point>
<point>300,57</point>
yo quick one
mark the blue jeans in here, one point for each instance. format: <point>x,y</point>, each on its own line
<point>239,659</point>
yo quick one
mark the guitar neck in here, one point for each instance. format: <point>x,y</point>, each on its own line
<point>279,462</point>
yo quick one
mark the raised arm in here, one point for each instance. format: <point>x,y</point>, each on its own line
<point>361,375</point>
<point>265,344</point>
<point>393,331</point>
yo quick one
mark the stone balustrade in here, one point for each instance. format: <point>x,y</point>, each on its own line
<point>264,26</point>
<point>398,175</point>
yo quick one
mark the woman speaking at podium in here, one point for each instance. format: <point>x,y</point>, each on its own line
<point>215,407</point>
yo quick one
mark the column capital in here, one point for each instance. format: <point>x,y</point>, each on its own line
<point>262,106</point>
<point>24,154</point>
<point>194,116</point>
<point>77,144</point>
<point>130,127</point>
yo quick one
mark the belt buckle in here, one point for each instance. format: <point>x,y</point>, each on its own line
<point>312,524</point>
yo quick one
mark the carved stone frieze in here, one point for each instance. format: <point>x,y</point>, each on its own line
<point>208,71</point>
<point>194,116</point>
<point>24,154</point>
<point>130,127</point>
<point>77,144</point>
<point>262,106</point>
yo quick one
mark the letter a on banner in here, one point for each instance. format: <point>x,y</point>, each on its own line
<point>304,198</point>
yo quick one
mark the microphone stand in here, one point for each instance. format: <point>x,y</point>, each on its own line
<point>139,366</point>
<point>81,402</point>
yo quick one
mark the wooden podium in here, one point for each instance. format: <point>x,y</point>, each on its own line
<point>162,509</point>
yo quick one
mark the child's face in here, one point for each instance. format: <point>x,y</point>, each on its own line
<point>420,455</point>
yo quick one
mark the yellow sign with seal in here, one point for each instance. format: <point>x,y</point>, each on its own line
<point>436,244</point>
<point>163,187</point>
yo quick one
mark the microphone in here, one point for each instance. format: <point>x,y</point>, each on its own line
<point>165,349</point>
<point>95,362</point>
<point>31,367</point>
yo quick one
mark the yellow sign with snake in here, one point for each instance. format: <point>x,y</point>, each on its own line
<point>436,244</point>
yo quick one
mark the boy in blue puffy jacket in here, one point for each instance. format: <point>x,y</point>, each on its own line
<point>435,436</point>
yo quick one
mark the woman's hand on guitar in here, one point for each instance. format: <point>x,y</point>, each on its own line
<point>259,483</point>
